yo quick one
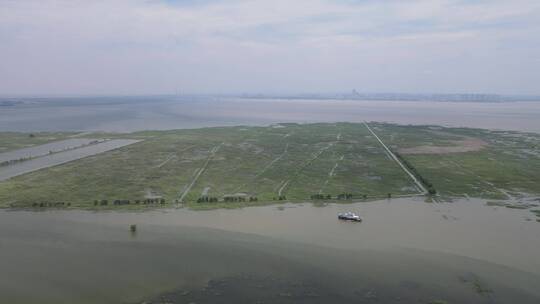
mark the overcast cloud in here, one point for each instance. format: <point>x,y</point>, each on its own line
<point>277,46</point>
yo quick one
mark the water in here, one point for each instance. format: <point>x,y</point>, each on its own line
<point>45,149</point>
<point>159,113</point>
<point>60,157</point>
<point>405,251</point>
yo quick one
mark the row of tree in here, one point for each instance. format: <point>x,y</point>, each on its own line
<point>321,197</point>
<point>51,204</point>
<point>14,161</point>
<point>227,199</point>
<point>147,201</point>
<point>429,186</point>
<point>207,199</point>
<point>240,199</point>
<point>345,196</point>
<point>22,159</point>
<point>341,196</point>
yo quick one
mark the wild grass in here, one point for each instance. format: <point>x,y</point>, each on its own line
<point>507,166</point>
<point>300,159</point>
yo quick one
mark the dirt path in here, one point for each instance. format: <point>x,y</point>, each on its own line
<point>283,187</point>
<point>307,163</point>
<point>481,180</point>
<point>331,174</point>
<point>272,162</point>
<point>212,154</point>
<point>166,161</point>
<point>421,187</point>
<point>268,166</point>
<point>205,191</point>
<point>172,156</point>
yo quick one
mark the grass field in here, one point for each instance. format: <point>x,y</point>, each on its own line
<point>507,166</point>
<point>294,161</point>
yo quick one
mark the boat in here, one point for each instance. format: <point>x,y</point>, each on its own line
<point>349,216</point>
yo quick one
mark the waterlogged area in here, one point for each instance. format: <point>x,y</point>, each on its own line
<point>127,114</point>
<point>45,149</point>
<point>49,160</point>
<point>405,251</point>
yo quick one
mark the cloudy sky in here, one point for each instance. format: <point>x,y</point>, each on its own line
<point>273,46</point>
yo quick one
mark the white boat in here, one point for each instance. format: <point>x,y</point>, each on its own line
<point>349,216</point>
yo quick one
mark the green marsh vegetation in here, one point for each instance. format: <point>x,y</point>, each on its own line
<point>230,167</point>
<point>470,162</point>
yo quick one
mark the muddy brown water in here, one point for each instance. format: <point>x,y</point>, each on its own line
<point>405,251</point>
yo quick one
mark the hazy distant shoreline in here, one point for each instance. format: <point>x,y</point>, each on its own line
<point>15,99</point>
<point>128,114</point>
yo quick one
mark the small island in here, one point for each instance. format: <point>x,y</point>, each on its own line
<point>230,167</point>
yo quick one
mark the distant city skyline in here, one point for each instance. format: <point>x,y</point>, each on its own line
<point>269,47</point>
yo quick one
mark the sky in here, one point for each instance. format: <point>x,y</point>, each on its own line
<point>274,47</point>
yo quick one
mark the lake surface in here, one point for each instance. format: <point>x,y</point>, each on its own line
<point>126,114</point>
<point>405,251</point>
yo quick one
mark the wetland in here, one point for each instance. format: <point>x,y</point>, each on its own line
<point>238,208</point>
